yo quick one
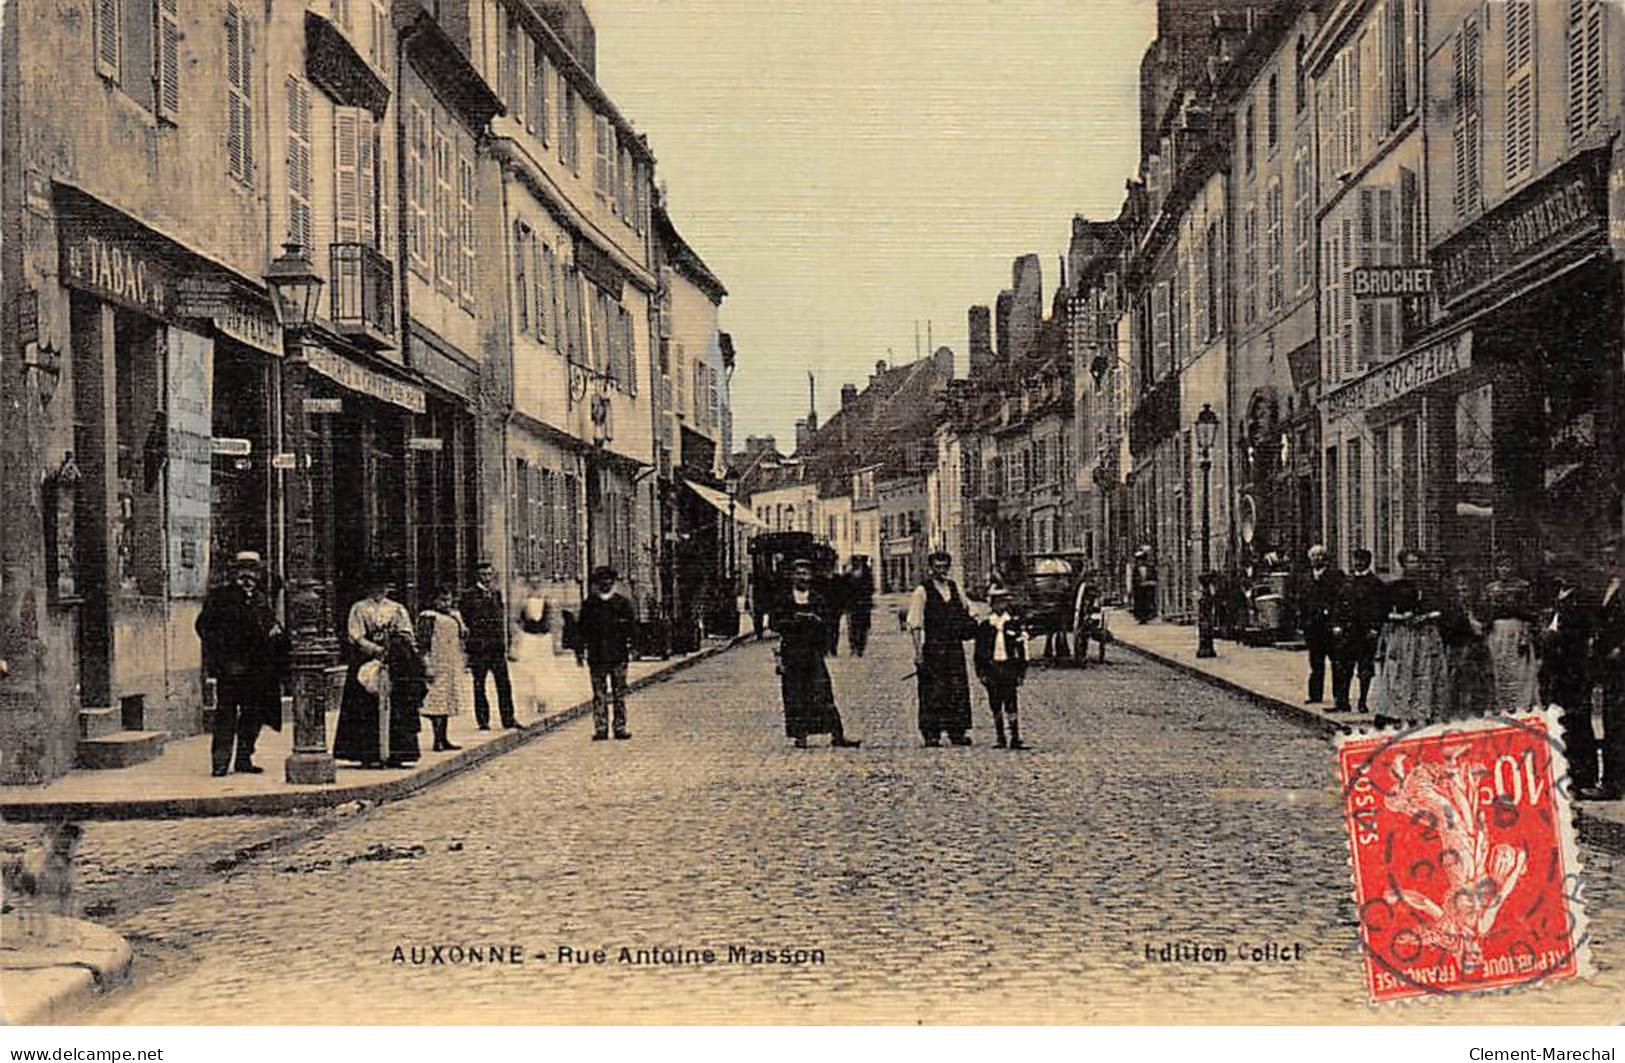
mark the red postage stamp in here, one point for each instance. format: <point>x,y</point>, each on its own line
<point>1466,872</point>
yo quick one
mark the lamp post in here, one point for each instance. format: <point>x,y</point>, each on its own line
<point>731,481</point>
<point>1207,427</point>
<point>296,286</point>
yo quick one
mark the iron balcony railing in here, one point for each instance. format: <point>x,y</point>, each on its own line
<point>363,287</point>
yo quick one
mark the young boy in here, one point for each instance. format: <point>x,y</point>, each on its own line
<point>1001,664</point>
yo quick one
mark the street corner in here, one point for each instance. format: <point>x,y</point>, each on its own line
<point>52,966</point>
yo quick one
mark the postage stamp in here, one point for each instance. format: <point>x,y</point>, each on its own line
<point>1466,872</point>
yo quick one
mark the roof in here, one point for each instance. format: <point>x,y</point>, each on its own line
<point>683,258</point>
<point>898,409</point>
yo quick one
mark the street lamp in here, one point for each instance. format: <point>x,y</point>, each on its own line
<point>1207,427</point>
<point>731,481</point>
<point>296,287</point>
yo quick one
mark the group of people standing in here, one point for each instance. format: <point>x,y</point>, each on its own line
<point>849,593</point>
<point>1428,650</point>
<point>400,671</point>
<point>940,623</point>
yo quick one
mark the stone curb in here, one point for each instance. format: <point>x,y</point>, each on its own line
<point>330,797</point>
<point>1595,830</point>
<point>59,992</point>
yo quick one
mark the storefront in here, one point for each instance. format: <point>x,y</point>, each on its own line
<point>441,455</point>
<point>165,464</point>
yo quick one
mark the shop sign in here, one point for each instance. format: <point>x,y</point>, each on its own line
<point>228,447</point>
<point>428,443</point>
<point>360,379</point>
<point>1389,282</point>
<point>324,406</point>
<point>118,270</point>
<point>284,461</point>
<point>237,314</point>
<point>27,318</point>
<point>1565,206</point>
<point>1398,378</point>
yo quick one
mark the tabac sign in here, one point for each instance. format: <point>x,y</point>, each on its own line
<point>1402,376</point>
<point>120,271</point>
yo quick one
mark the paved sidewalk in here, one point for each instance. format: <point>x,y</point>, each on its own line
<point>1278,680</point>
<point>51,967</point>
<point>178,783</point>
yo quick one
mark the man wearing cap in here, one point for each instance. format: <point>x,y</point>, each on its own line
<point>245,650</point>
<point>939,623</point>
<point>604,633</point>
<point>809,697</point>
<point>1608,668</point>
<point>487,620</point>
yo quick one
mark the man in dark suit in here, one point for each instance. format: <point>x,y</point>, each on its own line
<point>1608,668</point>
<point>1318,609</point>
<point>246,651</point>
<point>604,634</point>
<point>1362,607</point>
<point>487,621</point>
<point>1565,675</point>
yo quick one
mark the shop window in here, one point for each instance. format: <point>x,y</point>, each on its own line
<point>143,442</point>
<point>1475,450</point>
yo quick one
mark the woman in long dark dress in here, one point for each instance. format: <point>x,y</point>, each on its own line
<point>379,629</point>
<point>1510,604</point>
<point>1415,672</point>
<point>809,698</point>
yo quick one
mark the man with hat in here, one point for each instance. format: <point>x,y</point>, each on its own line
<point>604,633</point>
<point>1608,670</point>
<point>939,623</point>
<point>809,697</point>
<point>246,651</point>
<point>487,620</point>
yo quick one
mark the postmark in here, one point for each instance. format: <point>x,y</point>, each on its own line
<point>1466,873</point>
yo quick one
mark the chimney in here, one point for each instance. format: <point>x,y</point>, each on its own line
<point>849,395</point>
<point>944,359</point>
<point>803,435</point>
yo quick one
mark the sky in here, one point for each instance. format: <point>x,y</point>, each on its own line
<point>851,167</point>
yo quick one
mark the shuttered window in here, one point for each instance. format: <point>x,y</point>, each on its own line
<point>445,239</point>
<point>1519,136</point>
<point>630,348</point>
<point>1246,295</point>
<point>354,177</point>
<point>239,96</point>
<point>519,515</point>
<point>1466,127</point>
<point>623,188</point>
<point>541,76</point>
<point>1273,244</point>
<point>110,38</point>
<point>521,274</point>
<point>417,188</point>
<point>466,245</point>
<point>166,59</point>
<point>1303,186</point>
<point>1161,332</point>
<point>604,147</point>
<point>555,317</point>
<point>1586,66</point>
<point>298,162</point>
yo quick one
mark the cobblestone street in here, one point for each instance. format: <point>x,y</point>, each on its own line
<point>942,885</point>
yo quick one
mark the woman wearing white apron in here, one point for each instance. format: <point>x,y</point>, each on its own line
<point>532,652</point>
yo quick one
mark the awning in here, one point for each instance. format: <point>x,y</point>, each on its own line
<point>741,513</point>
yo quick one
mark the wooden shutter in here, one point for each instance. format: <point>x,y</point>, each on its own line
<point>519,515</point>
<point>109,38</point>
<point>602,149</point>
<point>298,163</point>
<point>1585,66</point>
<point>466,242</point>
<point>366,176</point>
<point>551,267</point>
<point>629,344</point>
<point>522,240</point>
<point>444,241</point>
<point>417,187</point>
<point>166,60</point>
<point>1520,90</point>
<point>386,190</point>
<point>539,105</point>
<point>1466,147</point>
<point>346,167</point>
<point>235,116</point>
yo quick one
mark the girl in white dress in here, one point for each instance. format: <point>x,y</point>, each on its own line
<point>441,634</point>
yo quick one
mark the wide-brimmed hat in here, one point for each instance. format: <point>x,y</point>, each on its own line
<point>246,559</point>
<point>996,591</point>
